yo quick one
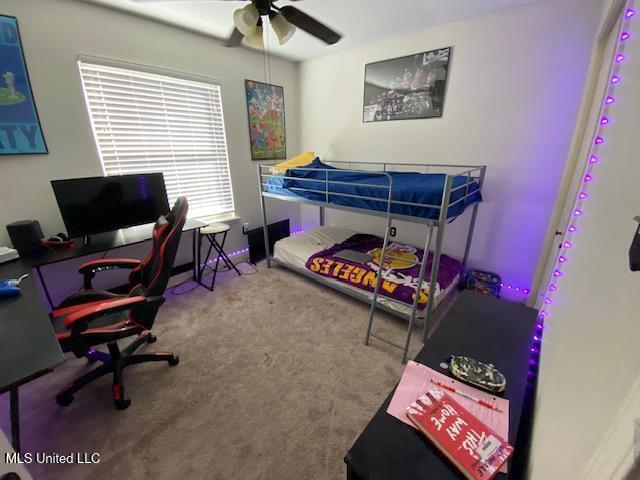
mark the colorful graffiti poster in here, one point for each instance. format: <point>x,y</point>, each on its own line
<point>20,131</point>
<point>265,105</point>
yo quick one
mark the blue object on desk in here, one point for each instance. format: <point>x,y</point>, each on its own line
<point>9,288</point>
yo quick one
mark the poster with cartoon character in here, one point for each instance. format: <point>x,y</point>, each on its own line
<point>265,106</point>
<point>20,131</point>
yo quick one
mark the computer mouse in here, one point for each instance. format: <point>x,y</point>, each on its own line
<point>8,290</point>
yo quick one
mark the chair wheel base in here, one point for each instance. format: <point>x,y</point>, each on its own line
<point>122,404</point>
<point>115,363</point>
<point>64,400</point>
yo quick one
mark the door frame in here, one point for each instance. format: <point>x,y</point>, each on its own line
<point>575,166</point>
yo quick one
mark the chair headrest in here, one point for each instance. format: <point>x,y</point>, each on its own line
<point>179,209</point>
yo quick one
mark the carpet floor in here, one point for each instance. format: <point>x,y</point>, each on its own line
<point>274,382</point>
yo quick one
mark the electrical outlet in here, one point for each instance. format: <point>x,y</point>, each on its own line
<point>392,231</point>
<point>245,228</point>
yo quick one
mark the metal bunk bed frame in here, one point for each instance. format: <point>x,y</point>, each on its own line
<point>472,173</point>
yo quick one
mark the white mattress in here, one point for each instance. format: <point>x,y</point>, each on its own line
<point>297,249</point>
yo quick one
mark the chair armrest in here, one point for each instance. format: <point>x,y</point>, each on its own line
<point>108,264</point>
<point>89,269</point>
<point>78,320</point>
<point>85,296</point>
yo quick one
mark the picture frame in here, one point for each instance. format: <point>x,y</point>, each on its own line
<point>405,88</point>
<point>266,116</point>
<point>20,129</point>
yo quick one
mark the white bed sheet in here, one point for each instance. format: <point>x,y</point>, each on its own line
<point>297,249</point>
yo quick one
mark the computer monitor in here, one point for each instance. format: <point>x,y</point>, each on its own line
<point>102,204</point>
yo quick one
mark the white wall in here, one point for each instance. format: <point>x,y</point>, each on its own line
<point>55,32</point>
<point>515,85</point>
<point>589,380</point>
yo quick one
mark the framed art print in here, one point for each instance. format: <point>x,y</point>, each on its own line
<point>20,131</point>
<point>407,87</point>
<point>265,107</point>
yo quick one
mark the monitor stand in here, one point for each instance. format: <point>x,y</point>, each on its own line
<point>106,238</point>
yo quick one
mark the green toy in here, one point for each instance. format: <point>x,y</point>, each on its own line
<point>476,373</point>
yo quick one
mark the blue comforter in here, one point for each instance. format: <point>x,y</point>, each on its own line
<point>419,188</point>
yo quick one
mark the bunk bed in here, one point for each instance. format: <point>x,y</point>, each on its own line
<point>425,195</point>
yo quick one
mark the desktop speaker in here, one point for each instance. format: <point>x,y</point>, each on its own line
<point>25,235</point>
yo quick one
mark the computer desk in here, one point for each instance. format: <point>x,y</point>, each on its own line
<point>28,345</point>
<point>108,241</point>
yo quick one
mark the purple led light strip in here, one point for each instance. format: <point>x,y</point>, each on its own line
<point>592,160</point>
<point>524,291</point>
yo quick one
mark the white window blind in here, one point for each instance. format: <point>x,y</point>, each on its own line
<point>146,122</point>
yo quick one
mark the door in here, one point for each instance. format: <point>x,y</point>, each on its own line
<point>579,161</point>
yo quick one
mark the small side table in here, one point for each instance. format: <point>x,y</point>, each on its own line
<point>211,232</point>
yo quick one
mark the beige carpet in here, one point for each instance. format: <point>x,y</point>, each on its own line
<point>274,382</point>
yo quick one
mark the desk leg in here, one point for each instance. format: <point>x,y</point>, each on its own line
<point>44,287</point>
<point>198,252</point>
<point>195,255</point>
<point>15,419</point>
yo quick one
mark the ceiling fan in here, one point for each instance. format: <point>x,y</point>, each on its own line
<point>284,20</point>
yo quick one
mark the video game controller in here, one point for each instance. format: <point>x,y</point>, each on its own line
<point>9,288</point>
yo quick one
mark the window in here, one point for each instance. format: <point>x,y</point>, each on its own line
<point>148,122</point>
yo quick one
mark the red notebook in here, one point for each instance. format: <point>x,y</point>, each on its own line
<point>472,446</point>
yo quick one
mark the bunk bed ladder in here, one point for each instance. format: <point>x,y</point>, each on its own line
<point>435,264</point>
<point>416,300</point>
<point>376,290</point>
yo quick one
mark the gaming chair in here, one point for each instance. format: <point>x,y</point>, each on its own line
<point>94,317</point>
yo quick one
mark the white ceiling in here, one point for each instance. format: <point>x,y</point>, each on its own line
<point>360,21</point>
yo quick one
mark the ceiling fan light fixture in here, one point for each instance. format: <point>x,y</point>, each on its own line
<point>284,30</point>
<point>255,40</point>
<point>246,19</point>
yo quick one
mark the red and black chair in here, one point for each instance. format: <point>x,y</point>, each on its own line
<point>94,317</point>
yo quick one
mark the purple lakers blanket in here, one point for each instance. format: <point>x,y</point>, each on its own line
<point>399,274</point>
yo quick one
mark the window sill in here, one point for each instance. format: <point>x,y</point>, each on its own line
<point>225,217</point>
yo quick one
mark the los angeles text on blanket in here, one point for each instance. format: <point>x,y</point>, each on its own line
<point>400,272</point>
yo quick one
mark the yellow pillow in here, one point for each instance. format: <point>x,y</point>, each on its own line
<point>299,161</point>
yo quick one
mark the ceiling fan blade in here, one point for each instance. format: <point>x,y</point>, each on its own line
<point>309,24</point>
<point>176,1</point>
<point>235,38</point>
